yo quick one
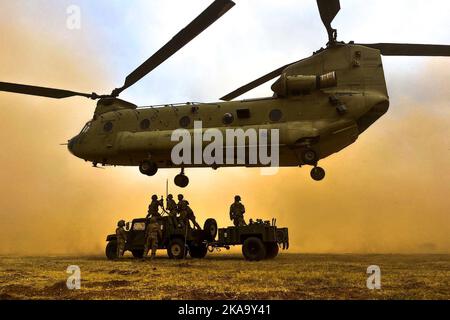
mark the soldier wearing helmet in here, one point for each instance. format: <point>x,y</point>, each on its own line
<point>237,211</point>
<point>153,208</point>
<point>171,208</point>
<point>152,235</point>
<point>186,213</point>
<point>121,238</point>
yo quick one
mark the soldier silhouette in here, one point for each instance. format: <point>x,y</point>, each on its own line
<point>186,213</point>
<point>152,235</point>
<point>172,210</point>
<point>121,238</point>
<point>153,208</point>
<point>237,210</point>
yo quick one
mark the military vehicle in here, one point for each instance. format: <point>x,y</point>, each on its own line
<point>176,239</point>
<point>260,240</point>
<point>320,104</point>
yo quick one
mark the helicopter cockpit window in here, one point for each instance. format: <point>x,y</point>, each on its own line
<point>145,124</point>
<point>86,127</point>
<point>185,122</point>
<point>228,118</point>
<point>276,115</point>
<point>108,126</point>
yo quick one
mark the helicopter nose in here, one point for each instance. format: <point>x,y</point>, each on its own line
<point>71,145</point>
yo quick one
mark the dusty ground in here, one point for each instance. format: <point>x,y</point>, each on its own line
<point>222,276</point>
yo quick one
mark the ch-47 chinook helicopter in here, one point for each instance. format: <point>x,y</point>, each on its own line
<point>320,105</point>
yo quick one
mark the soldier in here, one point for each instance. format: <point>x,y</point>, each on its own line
<point>237,211</point>
<point>153,208</point>
<point>186,213</point>
<point>152,233</point>
<point>171,208</point>
<point>121,238</point>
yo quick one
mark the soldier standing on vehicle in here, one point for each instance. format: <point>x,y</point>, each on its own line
<point>191,217</point>
<point>181,208</point>
<point>153,208</point>
<point>237,211</point>
<point>152,234</point>
<point>186,213</point>
<point>121,238</point>
<point>171,208</point>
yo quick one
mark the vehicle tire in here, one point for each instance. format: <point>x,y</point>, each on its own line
<point>272,250</point>
<point>198,251</point>
<point>318,174</point>
<point>210,228</point>
<point>181,181</point>
<point>111,250</point>
<point>254,249</point>
<point>138,253</point>
<point>148,168</point>
<point>176,249</point>
<point>309,156</point>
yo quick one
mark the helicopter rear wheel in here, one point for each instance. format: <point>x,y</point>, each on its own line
<point>148,168</point>
<point>181,180</point>
<point>309,156</point>
<point>318,173</point>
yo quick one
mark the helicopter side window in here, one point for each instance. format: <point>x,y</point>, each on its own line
<point>243,113</point>
<point>228,119</point>
<point>276,115</point>
<point>145,124</point>
<point>108,126</point>
<point>185,122</point>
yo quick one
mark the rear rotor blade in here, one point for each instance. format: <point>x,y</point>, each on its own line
<point>254,84</point>
<point>328,10</point>
<point>406,49</point>
<point>216,10</point>
<point>43,92</point>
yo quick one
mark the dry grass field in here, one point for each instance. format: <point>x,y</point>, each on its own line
<point>228,276</point>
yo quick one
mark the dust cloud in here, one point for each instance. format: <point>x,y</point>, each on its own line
<point>387,193</point>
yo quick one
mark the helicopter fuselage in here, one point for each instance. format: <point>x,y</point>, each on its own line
<point>307,116</point>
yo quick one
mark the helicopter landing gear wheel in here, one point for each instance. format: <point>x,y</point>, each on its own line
<point>318,173</point>
<point>309,156</point>
<point>181,180</point>
<point>148,168</point>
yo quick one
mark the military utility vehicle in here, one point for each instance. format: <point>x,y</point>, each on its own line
<point>177,239</point>
<point>260,240</point>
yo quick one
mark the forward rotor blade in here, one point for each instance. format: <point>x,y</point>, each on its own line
<point>254,84</point>
<point>406,49</point>
<point>328,10</point>
<point>216,10</point>
<point>43,92</point>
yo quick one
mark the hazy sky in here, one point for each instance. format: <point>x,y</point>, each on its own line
<point>386,193</point>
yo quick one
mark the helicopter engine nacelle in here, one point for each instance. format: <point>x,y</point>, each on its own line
<point>106,105</point>
<point>300,84</point>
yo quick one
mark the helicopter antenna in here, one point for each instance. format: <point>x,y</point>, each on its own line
<point>167,188</point>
